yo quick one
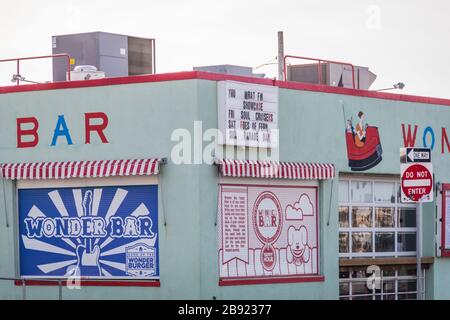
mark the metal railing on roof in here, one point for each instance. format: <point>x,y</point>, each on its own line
<point>319,61</point>
<point>18,77</point>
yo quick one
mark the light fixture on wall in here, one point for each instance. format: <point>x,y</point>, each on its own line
<point>399,86</point>
<point>17,78</point>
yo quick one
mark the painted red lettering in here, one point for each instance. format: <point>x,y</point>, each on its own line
<point>408,140</point>
<point>274,220</point>
<point>27,132</point>
<point>99,128</point>
<point>261,219</point>
<point>445,139</point>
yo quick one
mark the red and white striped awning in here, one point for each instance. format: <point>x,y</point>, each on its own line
<point>80,169</point>
<point>275,169</point>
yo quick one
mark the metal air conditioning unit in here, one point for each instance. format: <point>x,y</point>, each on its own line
<point>331,74</point>
<point>116,55</point>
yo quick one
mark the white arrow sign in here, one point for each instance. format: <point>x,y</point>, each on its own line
<point>415,155</point>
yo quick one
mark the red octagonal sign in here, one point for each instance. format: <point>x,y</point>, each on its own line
<point>417,182</point>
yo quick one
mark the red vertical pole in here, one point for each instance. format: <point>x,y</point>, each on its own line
<point>68,67</point>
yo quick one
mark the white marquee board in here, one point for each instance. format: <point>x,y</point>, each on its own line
<point>248,114</point>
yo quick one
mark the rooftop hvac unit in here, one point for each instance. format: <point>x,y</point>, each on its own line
<point>115,54</point>
<point>331,74</point>
<point>231,69</point>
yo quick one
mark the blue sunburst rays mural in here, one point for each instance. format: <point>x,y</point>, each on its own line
<point>101,232</point>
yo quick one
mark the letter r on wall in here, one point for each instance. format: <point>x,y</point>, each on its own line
<point>99,128</point>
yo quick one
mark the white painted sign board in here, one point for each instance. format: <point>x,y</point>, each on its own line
<point>248,114</point>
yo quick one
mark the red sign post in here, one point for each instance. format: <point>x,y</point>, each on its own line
<point>417,182</point>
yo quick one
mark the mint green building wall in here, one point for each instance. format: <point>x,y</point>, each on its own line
<point>142,118</point>
<point>320,133</point>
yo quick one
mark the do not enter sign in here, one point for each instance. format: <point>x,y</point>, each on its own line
<point>417,182</point>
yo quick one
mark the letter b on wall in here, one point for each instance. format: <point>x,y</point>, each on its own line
<point>27,127</point>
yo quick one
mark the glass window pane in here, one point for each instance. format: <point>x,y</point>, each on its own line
<point>361,217</point>
<point>343,191</point>
<point>343,242</point>
<point>344,288</point>
<point>410,296</point>
<point>343,217</point>
<point>361,192</point>
<point>406,270</point>
<point>384,192</point>
<point>362,242</point>
<point>389,286</point>
<point>359,273</point>
<point>384,217</point>
<point>360,288</point>
<point>407,285</point>
<point>389,297</point>
<point>384,241</point>
<point>406,241</point>
<point>406,217</point>
<point>363,298</point>
<point>388,272</point>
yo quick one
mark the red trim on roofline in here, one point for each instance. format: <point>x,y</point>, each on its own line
<point>92,283</point>
<point>100,82</point>
<point>188,75</point>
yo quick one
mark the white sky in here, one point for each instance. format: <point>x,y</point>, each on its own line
<point>399,40</point>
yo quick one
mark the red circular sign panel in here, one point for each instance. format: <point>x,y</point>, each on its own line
<point>268,257</point>
<point>417,182</point>
<point>267,217</point>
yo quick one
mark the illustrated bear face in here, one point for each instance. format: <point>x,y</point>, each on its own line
<point>297,240</point>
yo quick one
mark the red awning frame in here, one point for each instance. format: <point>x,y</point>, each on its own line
<point>81,169</point>
<point>275,169</point>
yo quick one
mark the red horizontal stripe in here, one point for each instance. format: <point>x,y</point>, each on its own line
<point>90,283</point>
<point>76,169</point>
<point>272,169</point>
<point>188,75</point>
<point>294,279</point>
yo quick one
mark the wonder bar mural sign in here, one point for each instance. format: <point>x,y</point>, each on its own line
<point>101,232</point>
<point>267,232</point>
<point>248,114</point>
